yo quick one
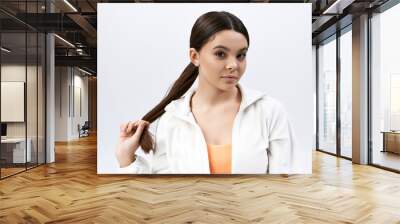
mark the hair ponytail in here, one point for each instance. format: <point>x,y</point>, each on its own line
<point>178,89</point>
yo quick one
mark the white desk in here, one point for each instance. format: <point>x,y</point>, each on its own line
<point>18,149</point>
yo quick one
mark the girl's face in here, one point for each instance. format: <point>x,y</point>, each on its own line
<point>222,60</point>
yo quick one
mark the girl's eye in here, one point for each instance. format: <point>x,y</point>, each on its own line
<point>241,56</point>
<point>220,54</point>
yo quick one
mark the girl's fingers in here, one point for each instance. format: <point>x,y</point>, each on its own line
<point>130,126</point>
<point>139,130</point>
<point>123,127</point>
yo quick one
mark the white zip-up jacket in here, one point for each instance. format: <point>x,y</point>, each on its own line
<point>262,139</point>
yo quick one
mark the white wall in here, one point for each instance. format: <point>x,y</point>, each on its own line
<point>142,48</point>
<point>61,103</point>
<point>12,101</point>
<point>67,116</point>
<point>80,84</point>
<point>17,73</point>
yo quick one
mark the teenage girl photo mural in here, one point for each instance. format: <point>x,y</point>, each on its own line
<point>209,119</point>
<point>221,128</point>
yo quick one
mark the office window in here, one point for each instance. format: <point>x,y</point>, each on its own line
<point>385,81</point>
<point>327,96</point>
<point>346,94</point>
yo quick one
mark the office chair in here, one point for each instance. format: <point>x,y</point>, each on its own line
<point>84,130</point>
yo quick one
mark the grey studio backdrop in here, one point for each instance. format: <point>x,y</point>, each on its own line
<point>143,48</point>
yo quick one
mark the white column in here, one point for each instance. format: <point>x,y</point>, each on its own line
<point>50,110</point>
<point>50,91</point>
<point>360,90</point>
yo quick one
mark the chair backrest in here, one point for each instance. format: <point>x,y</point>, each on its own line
<point>86,124</point>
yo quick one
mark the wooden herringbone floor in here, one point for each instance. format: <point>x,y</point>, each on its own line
<point>70,191</point>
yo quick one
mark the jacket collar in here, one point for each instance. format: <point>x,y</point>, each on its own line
<point>181,106</point>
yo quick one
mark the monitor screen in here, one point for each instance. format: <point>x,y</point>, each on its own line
<point>3,129</point>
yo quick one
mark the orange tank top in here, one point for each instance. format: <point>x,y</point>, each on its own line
<point>220,158</point>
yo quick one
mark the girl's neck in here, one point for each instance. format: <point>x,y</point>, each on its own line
<point>210,96</point>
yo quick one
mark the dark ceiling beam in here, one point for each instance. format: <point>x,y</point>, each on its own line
<point>49,22</point>
<point>86,51</point>
<point>86,26</point>
<point>329,13</point>
<point>91,5</point>
<point>383,6</point>
<point>78,19</point>
<point>320,22</point>
<point>11,25</point>
<point>15,18</point>
<point>332,29</point>
<point>337,15</point>
<point>83,61</point>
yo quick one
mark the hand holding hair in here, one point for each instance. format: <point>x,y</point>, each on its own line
<point>131,134</point>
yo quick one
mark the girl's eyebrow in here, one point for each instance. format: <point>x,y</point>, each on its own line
<point>227,49</point>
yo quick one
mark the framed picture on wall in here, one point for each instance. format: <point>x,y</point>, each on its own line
<point>12,101</point>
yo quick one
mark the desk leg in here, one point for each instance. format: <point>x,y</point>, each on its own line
<point>384,143</point>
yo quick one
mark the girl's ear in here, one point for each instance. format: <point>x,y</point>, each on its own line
<point>194,57</point>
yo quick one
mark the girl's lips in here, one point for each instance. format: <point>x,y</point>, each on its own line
<point>230,77</point>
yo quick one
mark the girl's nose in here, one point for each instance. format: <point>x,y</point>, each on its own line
<point>231,65</point>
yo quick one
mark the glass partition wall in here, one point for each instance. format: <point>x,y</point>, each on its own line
<point>385,89</point>
<point>345,61</point>
<point>334,80</point>
<point>22,77</point>
<point>327,96</point>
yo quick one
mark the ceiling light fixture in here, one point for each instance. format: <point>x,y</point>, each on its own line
<point>70,5</point>
<point>65,41</point>
<point>86,72</point>
<point>5,50</point>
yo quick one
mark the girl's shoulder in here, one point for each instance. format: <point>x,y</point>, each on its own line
<point>271,104</point>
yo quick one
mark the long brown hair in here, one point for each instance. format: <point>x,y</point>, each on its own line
<point>205,27</point>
